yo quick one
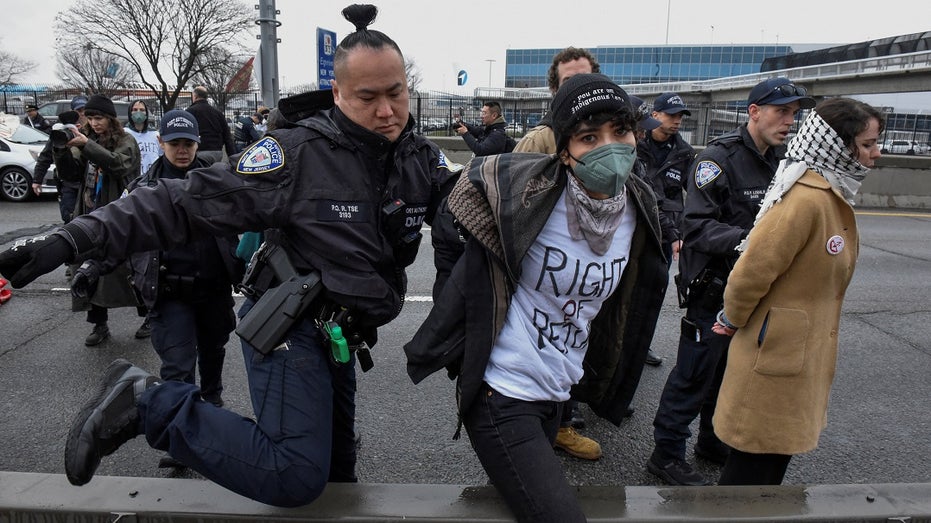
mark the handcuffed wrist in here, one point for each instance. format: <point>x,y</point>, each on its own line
<point>722,319</point>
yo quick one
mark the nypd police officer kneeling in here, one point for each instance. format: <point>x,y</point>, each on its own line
<point>333,182</point>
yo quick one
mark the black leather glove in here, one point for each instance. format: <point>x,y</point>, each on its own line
<point>84,281</point>
<point>29,259</point>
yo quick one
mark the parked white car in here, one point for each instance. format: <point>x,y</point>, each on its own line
<point>20,146</point>
<point>898,147</point>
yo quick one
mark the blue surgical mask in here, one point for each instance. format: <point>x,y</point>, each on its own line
<point>606,169</point>
<point>138,116</point>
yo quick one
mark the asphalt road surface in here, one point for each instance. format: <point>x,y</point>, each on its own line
<point>879,422</point>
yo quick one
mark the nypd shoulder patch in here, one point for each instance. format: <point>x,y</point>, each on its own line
<point>262,157</point>
<point>705,173</point>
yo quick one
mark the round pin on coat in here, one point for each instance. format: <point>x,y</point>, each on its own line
<point>835,245</point>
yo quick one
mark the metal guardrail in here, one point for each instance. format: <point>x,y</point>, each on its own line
<point>30,497</point>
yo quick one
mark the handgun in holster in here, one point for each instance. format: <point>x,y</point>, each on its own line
<point>278,308</point>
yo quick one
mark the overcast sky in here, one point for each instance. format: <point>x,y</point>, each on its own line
<point>443,36</point>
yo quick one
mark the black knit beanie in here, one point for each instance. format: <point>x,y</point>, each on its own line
<point>100,104</point>
<point>582,96</point>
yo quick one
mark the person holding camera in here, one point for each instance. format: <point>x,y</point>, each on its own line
<point>110,160</point>
<point>346,185</point>
<point>69,171</point>
<point>725,186</point>
<point>489,138</point>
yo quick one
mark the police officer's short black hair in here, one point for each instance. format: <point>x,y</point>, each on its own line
<point>361,16</point>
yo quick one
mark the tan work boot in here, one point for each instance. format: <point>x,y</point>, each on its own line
<point>576,444</point>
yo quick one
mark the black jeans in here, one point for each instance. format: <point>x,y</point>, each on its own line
<point>514,442</point>
<point>743,468</point>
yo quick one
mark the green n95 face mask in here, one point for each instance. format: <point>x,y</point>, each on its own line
<point>606,169</point>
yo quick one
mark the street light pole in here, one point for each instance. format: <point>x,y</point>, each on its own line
<point>490,62</point>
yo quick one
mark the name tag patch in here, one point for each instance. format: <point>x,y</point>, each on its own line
<point>706,172</point>
<point>335,211</point>
<point>262,157</point>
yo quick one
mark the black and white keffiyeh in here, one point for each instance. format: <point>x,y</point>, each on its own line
<point>817,147</point>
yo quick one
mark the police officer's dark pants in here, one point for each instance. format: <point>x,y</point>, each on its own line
<point>304,407</point>
<point>193,334</point>
<point>514,442</point>
<point>692,386</point>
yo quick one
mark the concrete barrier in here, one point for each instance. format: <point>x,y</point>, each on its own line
<point>902,182</point>
<point>31,497</point>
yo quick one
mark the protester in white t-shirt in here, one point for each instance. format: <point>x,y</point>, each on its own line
<point>138,127</point>
<point>561,253</point>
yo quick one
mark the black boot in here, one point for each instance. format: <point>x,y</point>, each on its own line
<point>107,421</point>
<point>97,336</point>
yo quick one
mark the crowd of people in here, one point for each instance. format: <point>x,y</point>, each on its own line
<point>552,265</point>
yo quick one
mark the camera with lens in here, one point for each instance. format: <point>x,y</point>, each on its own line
<point>61,134</point>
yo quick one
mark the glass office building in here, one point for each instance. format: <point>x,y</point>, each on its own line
<point>648,64</point>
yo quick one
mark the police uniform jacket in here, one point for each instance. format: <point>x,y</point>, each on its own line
<point>668,179</point>
<point>785,293</point>
<point>727,182</point>
<point>211,262</point>
<point>39,122</point>
<point>503,202</point>
<point>245,131</point>
<point>324,182</point>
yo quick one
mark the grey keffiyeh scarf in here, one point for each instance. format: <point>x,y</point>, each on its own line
<point>817,147</point>
<point>594,220</point>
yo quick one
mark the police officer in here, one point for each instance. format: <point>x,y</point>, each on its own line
<point>187,288</point>
<point>348,187</point>
<point>245,131</point>
<point>667,157</point>
<point>725,186</point>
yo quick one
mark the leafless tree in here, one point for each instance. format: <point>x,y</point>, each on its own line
<point>92,70</point>
<point>414,78</point>
<point>166,42</point>
<point>12,67</point>
<point>217,76</point>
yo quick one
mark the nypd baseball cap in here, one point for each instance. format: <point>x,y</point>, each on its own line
<point>779,91</point>
<point>645,120</point>
<point>177,124</point>
<point>670,103</point>
<point>78,102</point>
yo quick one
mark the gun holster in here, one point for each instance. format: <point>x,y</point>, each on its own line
<point>279,307</point>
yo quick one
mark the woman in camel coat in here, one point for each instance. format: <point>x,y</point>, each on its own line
<point>783,299</point>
